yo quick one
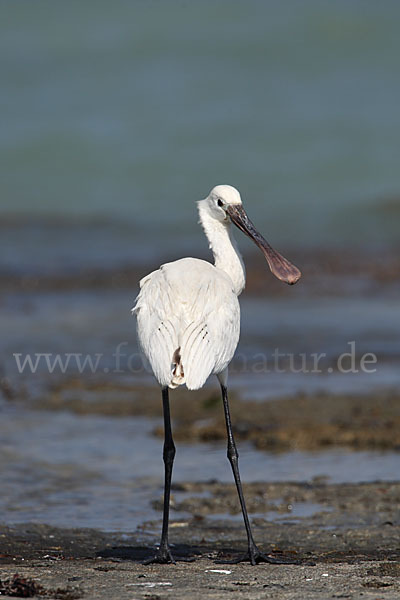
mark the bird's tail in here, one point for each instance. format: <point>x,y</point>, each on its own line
<point>178,375</point>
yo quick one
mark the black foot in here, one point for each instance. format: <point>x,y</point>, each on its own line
<point>164,557</point>
<point>254,556</point>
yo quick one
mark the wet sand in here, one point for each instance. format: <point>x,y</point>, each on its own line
<point>349,548</point>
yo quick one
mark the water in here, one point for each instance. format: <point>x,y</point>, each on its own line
<point>54,470</point>
<point>100,325</point>
<point>114,121</point>
<point>124,116</point>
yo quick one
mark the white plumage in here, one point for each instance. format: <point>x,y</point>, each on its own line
<point>188,322</point>
<point>188,315</point>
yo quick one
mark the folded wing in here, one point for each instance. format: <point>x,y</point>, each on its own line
<point>188,322</point>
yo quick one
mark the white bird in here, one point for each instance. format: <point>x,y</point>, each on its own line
<point>188,324</point>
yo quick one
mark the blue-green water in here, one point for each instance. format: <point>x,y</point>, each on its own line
<point>130,111</point>
<point>115,117</point>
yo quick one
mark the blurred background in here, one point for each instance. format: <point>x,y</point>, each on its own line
<point>114,121</point>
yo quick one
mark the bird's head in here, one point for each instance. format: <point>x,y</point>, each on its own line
<point>219,199</point>
<point>224,204</point>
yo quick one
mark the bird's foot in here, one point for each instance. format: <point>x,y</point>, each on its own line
<point>254,556</point>
<point>163,556</point>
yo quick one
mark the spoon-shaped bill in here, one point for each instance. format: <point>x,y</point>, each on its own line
<point>280,266</point>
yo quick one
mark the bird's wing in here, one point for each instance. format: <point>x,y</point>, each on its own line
<point>209,340</point>
<point>156,325</point>
<point>188,322</point>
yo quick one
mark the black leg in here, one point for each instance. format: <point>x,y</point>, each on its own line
<point>254,555</point>
<point>163,554</point>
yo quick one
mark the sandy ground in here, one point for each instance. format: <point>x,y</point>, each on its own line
<point>349,548</point>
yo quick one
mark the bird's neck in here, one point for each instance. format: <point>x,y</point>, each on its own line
<point>226,253</point>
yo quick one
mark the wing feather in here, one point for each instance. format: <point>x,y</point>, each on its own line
<point>208,344</point>
<point>188,309</point>
<point>156,327</point>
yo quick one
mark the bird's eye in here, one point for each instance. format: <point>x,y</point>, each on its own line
<point>220,203</point>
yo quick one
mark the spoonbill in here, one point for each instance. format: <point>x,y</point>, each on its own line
<point>188,322</point>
